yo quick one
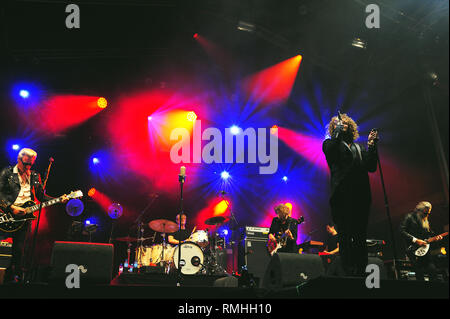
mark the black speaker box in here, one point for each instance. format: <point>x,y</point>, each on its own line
<point>254,256</point>
<point>286,270</point>
<point>95,261</point>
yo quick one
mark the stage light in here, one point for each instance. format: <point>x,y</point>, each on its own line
<point>225,175</point>
<point>191,116</point>
<point>102,103</point>
<point>95,160</point>
<point>149,118</point>
<point>16,147</point>
<point>274,130</point>
<point>246,26</point>
<point>235,130</point>
<point>289,205</point>
<point>359,43</point>
<point>285,178</point>
<point>87,222</point>
<point>91,192</point>
<point>195,35</point>
<point>24,93</point>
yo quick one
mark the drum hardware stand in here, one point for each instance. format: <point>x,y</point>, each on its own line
<point>140,231</point>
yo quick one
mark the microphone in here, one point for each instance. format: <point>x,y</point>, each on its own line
<point>182,175</point>
<point>340,120</point>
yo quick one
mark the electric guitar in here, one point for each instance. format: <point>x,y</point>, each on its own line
<point>10,223</point>
<point>421,251</point>
<point>281,241</point>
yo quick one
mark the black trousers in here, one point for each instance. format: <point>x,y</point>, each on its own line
<point>351,217</point>
<point>19,238</point>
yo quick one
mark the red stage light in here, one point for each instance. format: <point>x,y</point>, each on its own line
<point>195,35</point>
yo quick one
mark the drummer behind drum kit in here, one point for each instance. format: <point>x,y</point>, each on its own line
<point>198,252</point>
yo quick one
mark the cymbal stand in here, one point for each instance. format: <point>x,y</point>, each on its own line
<point>234,226</point>
<point>140,231</point>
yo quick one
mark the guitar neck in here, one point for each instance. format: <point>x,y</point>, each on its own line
<point>44,204</point>
<point>436,237</point>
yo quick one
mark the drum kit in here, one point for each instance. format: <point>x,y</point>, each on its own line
<point>199,252</point>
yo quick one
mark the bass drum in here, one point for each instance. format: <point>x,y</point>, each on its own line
<point>191,258</point>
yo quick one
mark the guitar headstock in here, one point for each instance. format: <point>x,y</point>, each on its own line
<point>75,194</point>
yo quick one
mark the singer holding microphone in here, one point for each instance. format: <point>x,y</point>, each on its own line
<point>350,197</point>
<point>19,184</point>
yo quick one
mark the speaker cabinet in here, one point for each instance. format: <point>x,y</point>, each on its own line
<point>254,256</point>
<point>286,270</point>
<point>95,262</point>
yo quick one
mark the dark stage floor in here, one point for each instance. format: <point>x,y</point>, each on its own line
<point>318,288</point>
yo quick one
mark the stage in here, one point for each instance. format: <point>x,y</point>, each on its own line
<point>202,287</point>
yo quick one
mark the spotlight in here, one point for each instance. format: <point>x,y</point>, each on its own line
<point>195,35</point>
<point>191,116</point>
<point>91,192</point>
<point>285,178</point>
<point>24,94</point>
<point>274,130</point>
<point>225,175</point>
<point>149,118</point>
<point>102,103</point>
<point>235,130</point>
<point>87,222</point>
<point>246,26</point>
<point>95,160</point>
<point>359,43</point>
<point>16,147</point>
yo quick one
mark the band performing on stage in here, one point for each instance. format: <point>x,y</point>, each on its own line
<point>175,249</point>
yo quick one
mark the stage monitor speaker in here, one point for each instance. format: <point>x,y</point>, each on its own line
<point>287,270</point>
<point>254,256</point>
<point>95,262</point>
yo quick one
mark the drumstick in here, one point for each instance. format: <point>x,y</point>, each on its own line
<point>195,227</point>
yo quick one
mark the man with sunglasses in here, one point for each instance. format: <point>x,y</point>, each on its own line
<point>18,185</point>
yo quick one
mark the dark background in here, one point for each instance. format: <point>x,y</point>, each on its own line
<point>127,45</point>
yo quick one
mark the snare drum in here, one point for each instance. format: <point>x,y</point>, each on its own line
<point>191,258</point>
<point>200,237</point>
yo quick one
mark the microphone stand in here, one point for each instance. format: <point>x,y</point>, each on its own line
<point>29,274</point>
<point>181,179</point>
<point>387,212</point>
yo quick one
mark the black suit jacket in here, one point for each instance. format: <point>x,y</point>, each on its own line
<point>10,187</point>
<point>411,226</point>
<point>345,176</point>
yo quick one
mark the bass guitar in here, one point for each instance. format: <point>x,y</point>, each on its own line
<point>10,222</point>
<point>281,240</point>
<point>421,251</point>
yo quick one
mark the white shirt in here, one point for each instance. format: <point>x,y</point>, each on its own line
<point>25,188</point>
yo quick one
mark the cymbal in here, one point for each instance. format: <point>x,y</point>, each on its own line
<point>131,239</point>
<point>163,226</point>
<point>215,220</point>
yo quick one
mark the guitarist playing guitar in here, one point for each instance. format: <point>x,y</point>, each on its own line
<point>283,231</point>
<point>19,185</point>
<point>415,229</point>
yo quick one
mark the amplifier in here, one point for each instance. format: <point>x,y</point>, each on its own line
<point>254,257</point>
<point>256,232</point>
<point>5,254</point>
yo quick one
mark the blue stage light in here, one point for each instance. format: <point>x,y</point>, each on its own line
<point>225,175</point>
